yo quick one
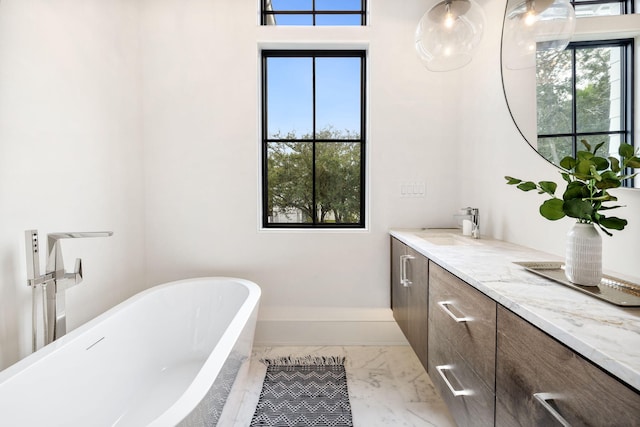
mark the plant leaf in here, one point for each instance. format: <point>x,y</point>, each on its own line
<point>608,208</point>
<point>568,163</point>
<point>527,186</point>
<point>583,168</point>
<point>615,164</point>
<point>601,163</point>
<point>575,190</point>
<point>613,222</point>
<point>578,208</point>
<point>552,209</point>
<point>595,150</point>
<point>633,162</point>
<point>586,144</point>
<point>609,180</point>
<point>548,187</point>
<point>511,180</point>
<point>625,150</point>
<point>584,155</point>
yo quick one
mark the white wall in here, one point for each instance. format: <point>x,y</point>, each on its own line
<point>142,118</point>
<point>70,158</point>
<point>493,148</point>
<point>201,121</point>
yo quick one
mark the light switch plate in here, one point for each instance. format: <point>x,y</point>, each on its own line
<point>413,189</point>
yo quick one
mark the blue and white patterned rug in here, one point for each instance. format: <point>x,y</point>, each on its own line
<point>301,392</point>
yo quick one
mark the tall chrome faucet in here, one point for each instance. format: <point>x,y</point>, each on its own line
<point>54,282</point>
<point>473,214</point>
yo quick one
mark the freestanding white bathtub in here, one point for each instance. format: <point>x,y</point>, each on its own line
<point>167,356</point>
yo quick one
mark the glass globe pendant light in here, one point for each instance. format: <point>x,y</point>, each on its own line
<point>536,25</point>
<point>448,34</point>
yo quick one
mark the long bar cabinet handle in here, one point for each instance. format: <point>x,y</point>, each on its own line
<point>544,398</point>
<point>404,280</point>
<point>444,306</point>
<point>455,392</point>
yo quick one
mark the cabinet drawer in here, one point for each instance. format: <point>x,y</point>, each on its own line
<point>473,334</point>
<point>536,376</point>
<point>468,398</point>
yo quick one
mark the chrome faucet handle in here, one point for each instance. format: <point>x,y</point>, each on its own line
<point>69,280</point>
<point>475,223</point>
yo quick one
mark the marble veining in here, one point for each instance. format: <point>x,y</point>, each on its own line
<point>606,334</point>
<point>387,386</point>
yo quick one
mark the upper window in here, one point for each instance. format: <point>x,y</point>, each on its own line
<point>585,8</point>
<point>313,139</point>
<point>314,12</point>
<point>585,92</point>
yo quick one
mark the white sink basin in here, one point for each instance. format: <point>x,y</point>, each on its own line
<point>448,239</point>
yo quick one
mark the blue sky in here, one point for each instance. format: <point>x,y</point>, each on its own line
<point>290,94</point>
<point>290,80</point>
<point>321,5</point>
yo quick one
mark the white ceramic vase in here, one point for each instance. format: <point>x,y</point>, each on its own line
<point>583,264</point>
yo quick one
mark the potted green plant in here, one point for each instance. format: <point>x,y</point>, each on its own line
<point>588,177</point>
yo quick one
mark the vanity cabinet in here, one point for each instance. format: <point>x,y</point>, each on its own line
<point>462,330</point>
<point>409,295</point>
<point>540,382</point>
<point>492,367</point>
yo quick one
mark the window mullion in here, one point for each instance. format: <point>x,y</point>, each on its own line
<point>313,139</point>
<point>574,104</point>
<point>363,100</point>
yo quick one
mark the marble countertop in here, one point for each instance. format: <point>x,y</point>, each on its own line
<point>606,334</point>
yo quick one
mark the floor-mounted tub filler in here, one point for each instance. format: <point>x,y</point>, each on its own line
<point>167,356</point>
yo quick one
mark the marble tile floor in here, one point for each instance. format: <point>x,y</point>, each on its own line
<point>387,386</point>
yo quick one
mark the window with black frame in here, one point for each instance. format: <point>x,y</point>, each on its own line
<point>585,93</point>
<point>587,8</point>
<point>313,12</point>
<point>313,139</point>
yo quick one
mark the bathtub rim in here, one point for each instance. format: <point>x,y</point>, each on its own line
<point>201,384</point>
<point>250,304</point>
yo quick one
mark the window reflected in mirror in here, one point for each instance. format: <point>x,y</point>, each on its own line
<point>587,8</point>
<point>585,92</point>
<point>588,91</point>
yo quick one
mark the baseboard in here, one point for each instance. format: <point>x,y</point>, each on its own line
<point>286,326</point>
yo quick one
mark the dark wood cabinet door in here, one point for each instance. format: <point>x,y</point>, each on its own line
<point>540,381</point>
<point>418,304</point>
<point>409,298</point>
<point>399,294</point>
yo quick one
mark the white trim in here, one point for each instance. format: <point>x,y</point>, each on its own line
<point>607,27</point>
<point>327,326</point>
